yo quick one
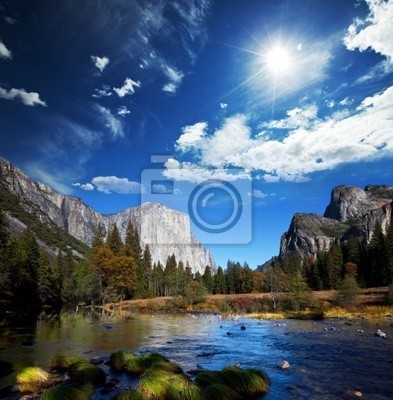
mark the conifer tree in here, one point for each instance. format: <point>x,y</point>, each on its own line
<point>389,248</point>
<point>378,257</point>
<point>114,241</point>
<point>219,282</point>
<point>207,278</point>
<point>99,236</point>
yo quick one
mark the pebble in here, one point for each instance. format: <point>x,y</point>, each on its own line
<point>380,334</point>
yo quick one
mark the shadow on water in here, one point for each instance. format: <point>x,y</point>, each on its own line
<point>329,359</point>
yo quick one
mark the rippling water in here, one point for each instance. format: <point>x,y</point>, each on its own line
<point>329,359</point>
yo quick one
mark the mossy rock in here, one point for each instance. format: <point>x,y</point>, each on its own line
<point>130,394</point>
<point>32,379</point>
<point>87,373</point>
<point>136,365</point>
<point>66,392</point>
<point>118,360</point>
<point>61,362</point>
<point>218,391</point>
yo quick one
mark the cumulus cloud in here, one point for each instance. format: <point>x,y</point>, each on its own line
<point>312,144</point>
<point>4,52</point>
<point>123,111</point>
<point>100,62</point>
<point>375,31</point>
<point>28,98</point>
<point>104,91</point>
<point>114,125</point>
<point>223,105</point>
<point>127,88</point>
<point>109,184</point>
<point>191,135</point>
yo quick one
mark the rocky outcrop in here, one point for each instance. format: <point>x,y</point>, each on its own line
<point>352,211</point>
<point>166,231</point>
<point>310,234</point>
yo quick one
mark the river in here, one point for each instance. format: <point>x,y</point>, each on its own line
<point>329,359</point>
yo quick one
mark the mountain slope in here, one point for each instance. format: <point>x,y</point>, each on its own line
<point>165,230</point>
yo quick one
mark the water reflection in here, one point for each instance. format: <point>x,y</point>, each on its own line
<point>327,358</point>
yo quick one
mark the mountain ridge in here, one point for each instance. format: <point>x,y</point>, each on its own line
<point>166,231</point>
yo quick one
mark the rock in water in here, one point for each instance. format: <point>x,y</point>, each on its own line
<point>380,334</point>
<point>284,365</point>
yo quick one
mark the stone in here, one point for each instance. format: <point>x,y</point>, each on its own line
<point>380,334</point>
<point>284,365</point>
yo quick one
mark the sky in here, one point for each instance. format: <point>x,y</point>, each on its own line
<point>240,113</point>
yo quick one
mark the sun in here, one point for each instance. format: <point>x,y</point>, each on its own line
<point>277,59</point>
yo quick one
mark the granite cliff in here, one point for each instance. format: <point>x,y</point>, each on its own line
<point>165,230</point>
<point>352,211</point>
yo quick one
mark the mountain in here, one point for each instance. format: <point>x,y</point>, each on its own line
<point>166,231</point>
<point>352,211</point>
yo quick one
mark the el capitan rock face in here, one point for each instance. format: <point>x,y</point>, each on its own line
<point>352,211</point>
<point>165,230</point>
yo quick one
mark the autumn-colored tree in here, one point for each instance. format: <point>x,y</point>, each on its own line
<point>122,275</point>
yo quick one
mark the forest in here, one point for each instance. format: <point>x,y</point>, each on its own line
<point>115,270</point>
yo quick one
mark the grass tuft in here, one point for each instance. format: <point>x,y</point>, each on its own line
<point>66,392</point>
<point>31,379</point>
<point>87,373</point>
<point>61,362</point>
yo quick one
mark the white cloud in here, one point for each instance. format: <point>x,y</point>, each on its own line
<point>27,98</point>
<point>296,118</point>
<point>258,194</point>
<point>127,88</point>
<point>109,184</point>
<point>4,52</point>
<point>191,135</point>
<point>299,46</point>
<point>85,186</point>
<point>344,102</point>
<point>175,77</point>
<point>111,122</point>
<point>375,31</point>
<point>100,62</point>
<point>123,111</point>
<point>312,144</point>
<point>223,105</point>
<point>105,91</point>
<point>330,103</point>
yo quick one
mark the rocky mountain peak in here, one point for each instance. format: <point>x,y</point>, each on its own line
<point>349,203</point>
<point>165,230</point>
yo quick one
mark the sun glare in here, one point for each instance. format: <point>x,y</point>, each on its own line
<point>277,59</point>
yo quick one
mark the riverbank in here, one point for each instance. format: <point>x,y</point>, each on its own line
<point>370,304</point>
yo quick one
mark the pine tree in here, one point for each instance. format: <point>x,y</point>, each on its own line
<point>378,257</point>
<point>49,284</point>
<point>334,266</point>
<point>170,276</point>
<point>246,279</point>
<point>5,274</point>
<point>114,241</point>
<point>219,282</point>
<point>67,273</point>
<point>207,278</point>
<point>132,240</point>
<point>389,247</point>
<point>99,236</point>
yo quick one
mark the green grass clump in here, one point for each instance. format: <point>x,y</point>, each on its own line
<point>136,365</point>
<point>130,394</point>
<point>218,391</point>
<point>61,362</point>
<point>86,373</point>
<point>247,382</point>
<point>66,392</point>
<point>118,360</point>
<point>31,379</point>
<point>207,378</point>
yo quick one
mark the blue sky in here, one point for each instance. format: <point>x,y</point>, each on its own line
<point>280,99</point>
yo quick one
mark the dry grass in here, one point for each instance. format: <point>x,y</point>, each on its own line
<point>370,304</point>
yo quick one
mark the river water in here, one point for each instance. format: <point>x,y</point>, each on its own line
<point>329,359</point>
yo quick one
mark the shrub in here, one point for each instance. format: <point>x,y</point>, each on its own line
<point>31,379</point>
